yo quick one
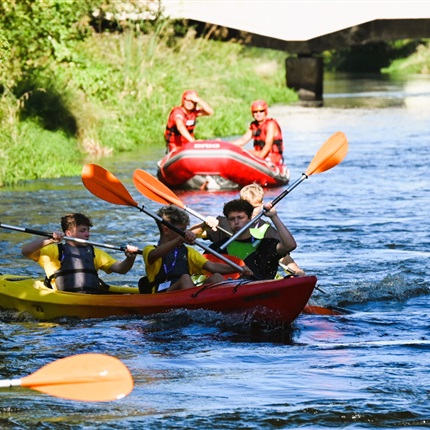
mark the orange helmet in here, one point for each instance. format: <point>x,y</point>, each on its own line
<point>187,93</point>
<point>259,105</point>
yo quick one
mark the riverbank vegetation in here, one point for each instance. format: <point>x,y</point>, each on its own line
<point>76,87</point>
<point>70,92</point>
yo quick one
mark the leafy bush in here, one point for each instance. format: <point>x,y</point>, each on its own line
<point>71,90</point>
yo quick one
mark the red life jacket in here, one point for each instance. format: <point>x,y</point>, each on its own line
<point>172,135</point>
<point>259,132</point>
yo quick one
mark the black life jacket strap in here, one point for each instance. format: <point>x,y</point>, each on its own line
<point>47,281</point>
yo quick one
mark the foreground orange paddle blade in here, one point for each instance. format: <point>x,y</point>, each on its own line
<point>106,186</point>
<point>155,190</point>
<point>83,377</point>
<point>332,152</point>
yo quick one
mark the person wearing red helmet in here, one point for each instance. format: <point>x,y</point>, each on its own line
<point>182,119</point>
<point>267,135</point>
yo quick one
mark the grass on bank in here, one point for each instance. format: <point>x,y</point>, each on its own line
<point>116,95</point>
<point>417,63</point>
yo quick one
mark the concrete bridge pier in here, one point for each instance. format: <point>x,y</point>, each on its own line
<point>305,74</point>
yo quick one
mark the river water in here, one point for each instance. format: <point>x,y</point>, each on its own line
<point>362,228</point>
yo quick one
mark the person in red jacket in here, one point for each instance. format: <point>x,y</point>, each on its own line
<point>267,135</point>
<point>182,119</point>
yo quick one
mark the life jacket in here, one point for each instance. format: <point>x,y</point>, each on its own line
<point>259,255</point>
<point>259,132</point>
<point>242,249</point>
<point>173,266</point>
<point>77,273</point>
<point>172,135</point>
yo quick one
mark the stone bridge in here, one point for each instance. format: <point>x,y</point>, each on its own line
<point>307,28</point>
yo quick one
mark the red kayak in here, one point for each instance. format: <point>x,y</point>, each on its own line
<point>217,165</point>
<point>270,300</point>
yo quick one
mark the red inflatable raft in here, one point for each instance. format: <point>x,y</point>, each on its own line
<point>217,165</point>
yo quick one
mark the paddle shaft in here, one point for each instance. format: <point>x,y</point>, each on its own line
<point>6,383</point>
<point>68,238</point>
<point>331,153</point>
<point>155,190</point>
<point>201,217</point>
<point>260,214</point>
<point>182,233</point>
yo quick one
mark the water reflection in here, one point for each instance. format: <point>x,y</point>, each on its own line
<point>362,228</point>
<point>375,91</point>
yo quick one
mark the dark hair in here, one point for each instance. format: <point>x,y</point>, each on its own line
<point>69,221</point>
<point>238,205</point>
<point>174,215</point>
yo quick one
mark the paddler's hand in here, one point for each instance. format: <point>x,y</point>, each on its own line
<point>212,222</point>
<point>193,97</point>
<point>131,251</point>
<point>300,272</point>
<point>57,236</point>
<point>247,272</point>
<point>189,237</point>
<point>270,210</point>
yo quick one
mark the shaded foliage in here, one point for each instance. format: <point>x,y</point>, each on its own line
<point>369,58</point>
<point>42,36</point>
<point>47,106</point>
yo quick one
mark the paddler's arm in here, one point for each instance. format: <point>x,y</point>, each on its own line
<point>244,139</point>
<point>122,267</point>
<point>183,130</point>
<point>287,243</point>
<point>200,230</point>
<point>206,110</point>
<point>226,269</point>
<point>32,249</point>
<point>290,266</point>
<point>164,248</point>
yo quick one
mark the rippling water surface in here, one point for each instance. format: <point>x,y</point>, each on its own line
<point>362,229</point>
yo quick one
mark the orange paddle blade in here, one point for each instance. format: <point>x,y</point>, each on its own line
<point>84,377</point>
<point>319,310</point>
<point>332,152</point>
<point>232,258</point>
<point>155,190</point>
<point>106,186</point>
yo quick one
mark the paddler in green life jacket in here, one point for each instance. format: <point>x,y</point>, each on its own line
<point>261,255</point>
<point>254,194</point>
<point>73,266</point>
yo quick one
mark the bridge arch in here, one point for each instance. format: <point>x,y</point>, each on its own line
<point>306,29</point>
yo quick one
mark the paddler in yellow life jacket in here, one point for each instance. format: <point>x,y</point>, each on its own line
<point>267,135</point>
<point>261,255</point>
<point>182,120</point>
<point>73,266</point>
<point>170,264</point>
